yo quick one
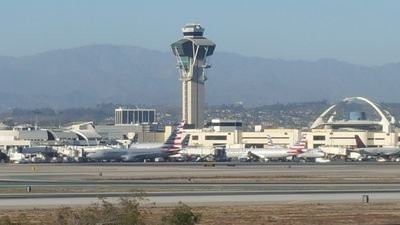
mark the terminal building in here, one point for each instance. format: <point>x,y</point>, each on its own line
<point>240,139</point>
<point>81,134</point>
<point>134,116</point>
<point>133,124</point>
<point>335,129</point>
<point>338,125</point>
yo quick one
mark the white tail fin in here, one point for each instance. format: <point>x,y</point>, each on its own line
<point>269,141</point>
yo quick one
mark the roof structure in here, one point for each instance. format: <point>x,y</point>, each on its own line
<point>328,119</point>
<point>188,46</point>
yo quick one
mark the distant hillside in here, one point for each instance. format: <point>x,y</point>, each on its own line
<point>95,74</point>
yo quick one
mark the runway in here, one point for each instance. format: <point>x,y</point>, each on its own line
<point>200,198</point>
<point>80,184</point>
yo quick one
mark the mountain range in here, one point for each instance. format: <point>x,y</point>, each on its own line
<point>89,75</point>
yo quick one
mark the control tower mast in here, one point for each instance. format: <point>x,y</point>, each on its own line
<point>191,53</point>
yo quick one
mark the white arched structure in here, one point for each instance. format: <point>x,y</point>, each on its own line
<point>387,126</point>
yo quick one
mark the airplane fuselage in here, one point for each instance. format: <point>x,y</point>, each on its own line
<point>262,153</point>
<point>379,151</point>
<point>311,153</point>
<point>129,155</point>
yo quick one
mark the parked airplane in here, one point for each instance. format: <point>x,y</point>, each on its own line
<point>298,150</point>
<point>265,154</point>
<point>170,147</point>
<point>300,145</point>
<point>270,143</point>
<point>386,151</point>
<point>308,153</point>
<point>163,152</point>
<point>311,154</point>
<point>185,142</point>
<point>145,145</point>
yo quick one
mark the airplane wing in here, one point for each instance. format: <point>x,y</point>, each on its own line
<point>390,152</point>
<point>243,156</point>
<point>361,151</point>
<point>254,155</point>
<point>138,156</point>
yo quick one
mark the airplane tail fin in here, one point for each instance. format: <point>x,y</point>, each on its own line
<point>359,142</point>
<point>133,141</point>
<point>301,145</point>
<point>185,141</point>
<point>269,141</point>
<point>174,141</point>
<point>135,138</point>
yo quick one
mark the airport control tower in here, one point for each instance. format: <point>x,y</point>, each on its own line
<point>191,53</point>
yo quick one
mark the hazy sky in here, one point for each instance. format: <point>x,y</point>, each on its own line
<point>359,31</point>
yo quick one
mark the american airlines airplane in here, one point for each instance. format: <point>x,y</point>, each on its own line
<point>265,154</point>
<point>298,150</point>
<point>311,154</point>
<point>170,147</point>
<point>134,144</point>
<point>385,151</point>
<point>149,145</point>
<point>145,145</point>
<point>307,153</point>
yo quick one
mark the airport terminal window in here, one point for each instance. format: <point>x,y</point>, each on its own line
<point>151,117</point>
<point>130,116</point>
<point>228,124</point>
<point>145,116</point>
<point>136,117</point>
<point>219,145</point>
<point>124,117</point>
<point>319,138</point>
<point>185,62</point>
<point>214,137</point>
<point>342,138</point>
<point>317,145</point>
<point>254,146</point>
<point>195,137</point>
<point>140,117</point>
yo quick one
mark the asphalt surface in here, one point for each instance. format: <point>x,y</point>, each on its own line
<point>198,183</point>
<point>196,198</point>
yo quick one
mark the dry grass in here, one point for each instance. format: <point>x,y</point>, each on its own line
<point>271,214</point>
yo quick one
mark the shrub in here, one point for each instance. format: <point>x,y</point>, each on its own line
<point>5,220</point>
<point>181,215</point>
<point>126,212</point>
